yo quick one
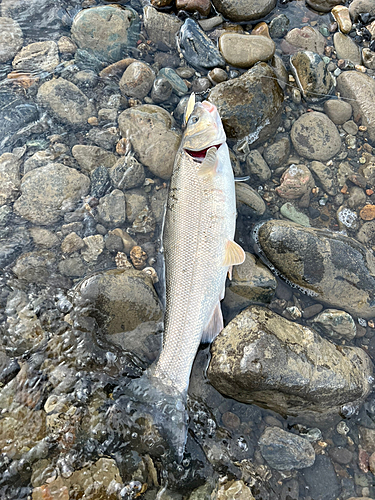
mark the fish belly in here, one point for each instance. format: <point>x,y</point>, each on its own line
<point>200,218</point>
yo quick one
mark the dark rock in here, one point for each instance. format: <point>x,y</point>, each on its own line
<point>15,113</point>
<point>100,182</point>
<point>321,479</point>
<point>161,90</point>
<point>244,10</point>
<point>127,173</point>
<point>312,76</point>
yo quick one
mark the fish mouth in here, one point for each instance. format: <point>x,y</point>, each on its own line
<point>200,155</point>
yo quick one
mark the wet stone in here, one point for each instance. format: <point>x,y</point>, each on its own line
<point>243,51</point>
<point>100,182</point>
<point>105,137</point>
<point>137,80</point>
<point>65,101</point>
<point>250,106</point>
<point>63,188</point>
<point>335,269</point>
<point>127,173</point>
<point>201,6</point>
<point>367,212</point>
<point>324,175</point>
<point>285,451</point>
<point>232,490</point>
<point>66,46</point>
<point>335,324</point>
<point>161,90</point>
<point>342,17</point>
<point>148,124</point>
<point>38,159</point>
<point>262,357</point>
<point>72,243</point>
<point>38,56</point>
<point>346,48</point>
<point>161,28</point>
<point>43,237</point>
<point>277,153</point>
<point>290,212</point>
<point>200,85</point>
<point>111,208</point>
<point>244,10</point>
<point>125,299</point>
<point>177,83</point>
<point>322,5</point>
<point>9,178</point>
<point>15,113</point>
<point>11,38</point>
<point>73,267</point>
<point>312,76</point>
<point>278,27</point>
<point>295,182</point>
<point>360,88</point>
<point>94,246</point>
<point>249,202</point>
<point>341,455</point>
<point>35,267</point>
<point>321,479</point>
<point>197,48</point>
<point>106,31</point>
<point>315,136</point>
<point>361,7</point>
<point>257,166</point>
<point>338,111</point>
<point>368,57</point>
<point>306,38</point>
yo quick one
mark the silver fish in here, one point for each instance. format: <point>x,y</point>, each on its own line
<point>199,252</point>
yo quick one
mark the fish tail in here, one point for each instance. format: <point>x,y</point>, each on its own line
<point>165,406</point>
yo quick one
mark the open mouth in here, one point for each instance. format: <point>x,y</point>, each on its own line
<point>201,155</point>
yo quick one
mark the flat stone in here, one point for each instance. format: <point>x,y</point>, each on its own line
<point>63,187</point>
<point>285,451</point>
<point>360,89</point>
<point>277,153</point>
<point>367,212</point>
<point>261,357</point>
<point>94,246</point>
<point>333,268</point>
<point>11,39</point>
<point>65,101</point>
<point>250,106</point>
<point>338,111</point>
<point>127,173</point>
<point>248,200</point>
<point>137,80</point>
<point>244,10</point>
<point>153,137</point>
<point>243,51</point>
<point>43,237</point>
<point>315,136</point>
<point>306,38</point>
<point>38,56</point>
<point>346,48</point>
<point>91,157</point>
<point>9,178</point>
<point>162,28</point>
<point>290,212</point>
<point>177,83</point>
<point>106,31</point>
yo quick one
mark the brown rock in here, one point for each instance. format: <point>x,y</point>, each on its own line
<point>306,38</point>
<point>243,51</point>
<point>138,257</point>
<point>367,212</point>
<point>116,69</point>
<point>261,29</point>
<point>137,80</point>
<point>202,6</point>
<point>342,16</point>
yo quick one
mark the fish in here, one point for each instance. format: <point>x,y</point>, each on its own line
<point>199,251</point>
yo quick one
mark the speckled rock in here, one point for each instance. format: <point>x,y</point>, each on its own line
<point>94,246</point>
<point>9,178</point>
<point>306,38</point>
<point>261,357</point>
<point>277,153</point>
<point>137,80</point>
<point>325,177</point>
<point>125,299</point>
<point>153,137</point>
<point>285,451</point>
<point>257,166</point>
<point>11,39</point>
<point>250,106</point>
<point>338,111</point>
<point>91,157</point>
<point>38,56</point>
<point>161,27</point>
<point>312,76</point>
<point>337,270</point>
<point>43,237</point>
<point>335,324</point>
<point>243,51</point>
<point>244,10</point>
<point>360,88</point>
<point>342,17</point>
<point>315,136</point>
<point>106,31</point>
<point>127,173</point>
<point>66,101</point>
<point>63,187</point>
<point>346,48</point>
<point>295,182</point>
<point>231,490</point>
<point>111,209</point>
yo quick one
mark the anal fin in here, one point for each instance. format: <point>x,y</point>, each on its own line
<point>234,254</point>
<point>214,326</point>
<point>208,166</point>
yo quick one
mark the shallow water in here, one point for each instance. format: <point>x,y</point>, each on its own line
<point>63,376</point>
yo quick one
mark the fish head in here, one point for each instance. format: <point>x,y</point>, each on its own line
<point>204,129</point>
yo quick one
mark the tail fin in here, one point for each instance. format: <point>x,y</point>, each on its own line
<point>165,406</point>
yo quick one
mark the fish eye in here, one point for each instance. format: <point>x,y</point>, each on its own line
<point>194,119</point>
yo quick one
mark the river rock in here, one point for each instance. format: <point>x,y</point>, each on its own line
<point>346,48</point>
<point>250,106</point>
<point>243,51</point>
<point>244,10</point>
<point>306,38</point>
<point>323,5</point>
<point>153,137</point>
<point>338,111</point>
<point>360,88</point>
<point>197,48</point>
<point>262,357</point>
<point>15,113</point>
<point>342,17</point>
<point>137,80</point>
<point>177,83</point>
<point>289,211</point>
<point>277,153</point>
<point>361,7</point>
<point>296,182</point>
<point>249,202</point>
<point>315,136</point>
<point>63,187</point>
<point>106,31</point>
<point>335,269</point>
<point>161,90</point>
<point>11,39</point>
<point>311,74</point>
<point>66,101</point>
<point>91,157</point>
<point>38,56</point>
<point>125,299</point>
<point>201,6</point>
<point>284,450</point>
<point>368,57</point>
<point>336,324</point>
<point>127,173</point>
<point>9,178</point>
<point>162,28</point>
<point>324,174</point>
<point>231,490</point>
<point>322,479</point>
<point>111,209</point>
<point>256,165</point>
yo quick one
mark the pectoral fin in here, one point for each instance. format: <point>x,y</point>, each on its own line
<point>234,254</point>
<point>208,166</point>
<point>214,326</point>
